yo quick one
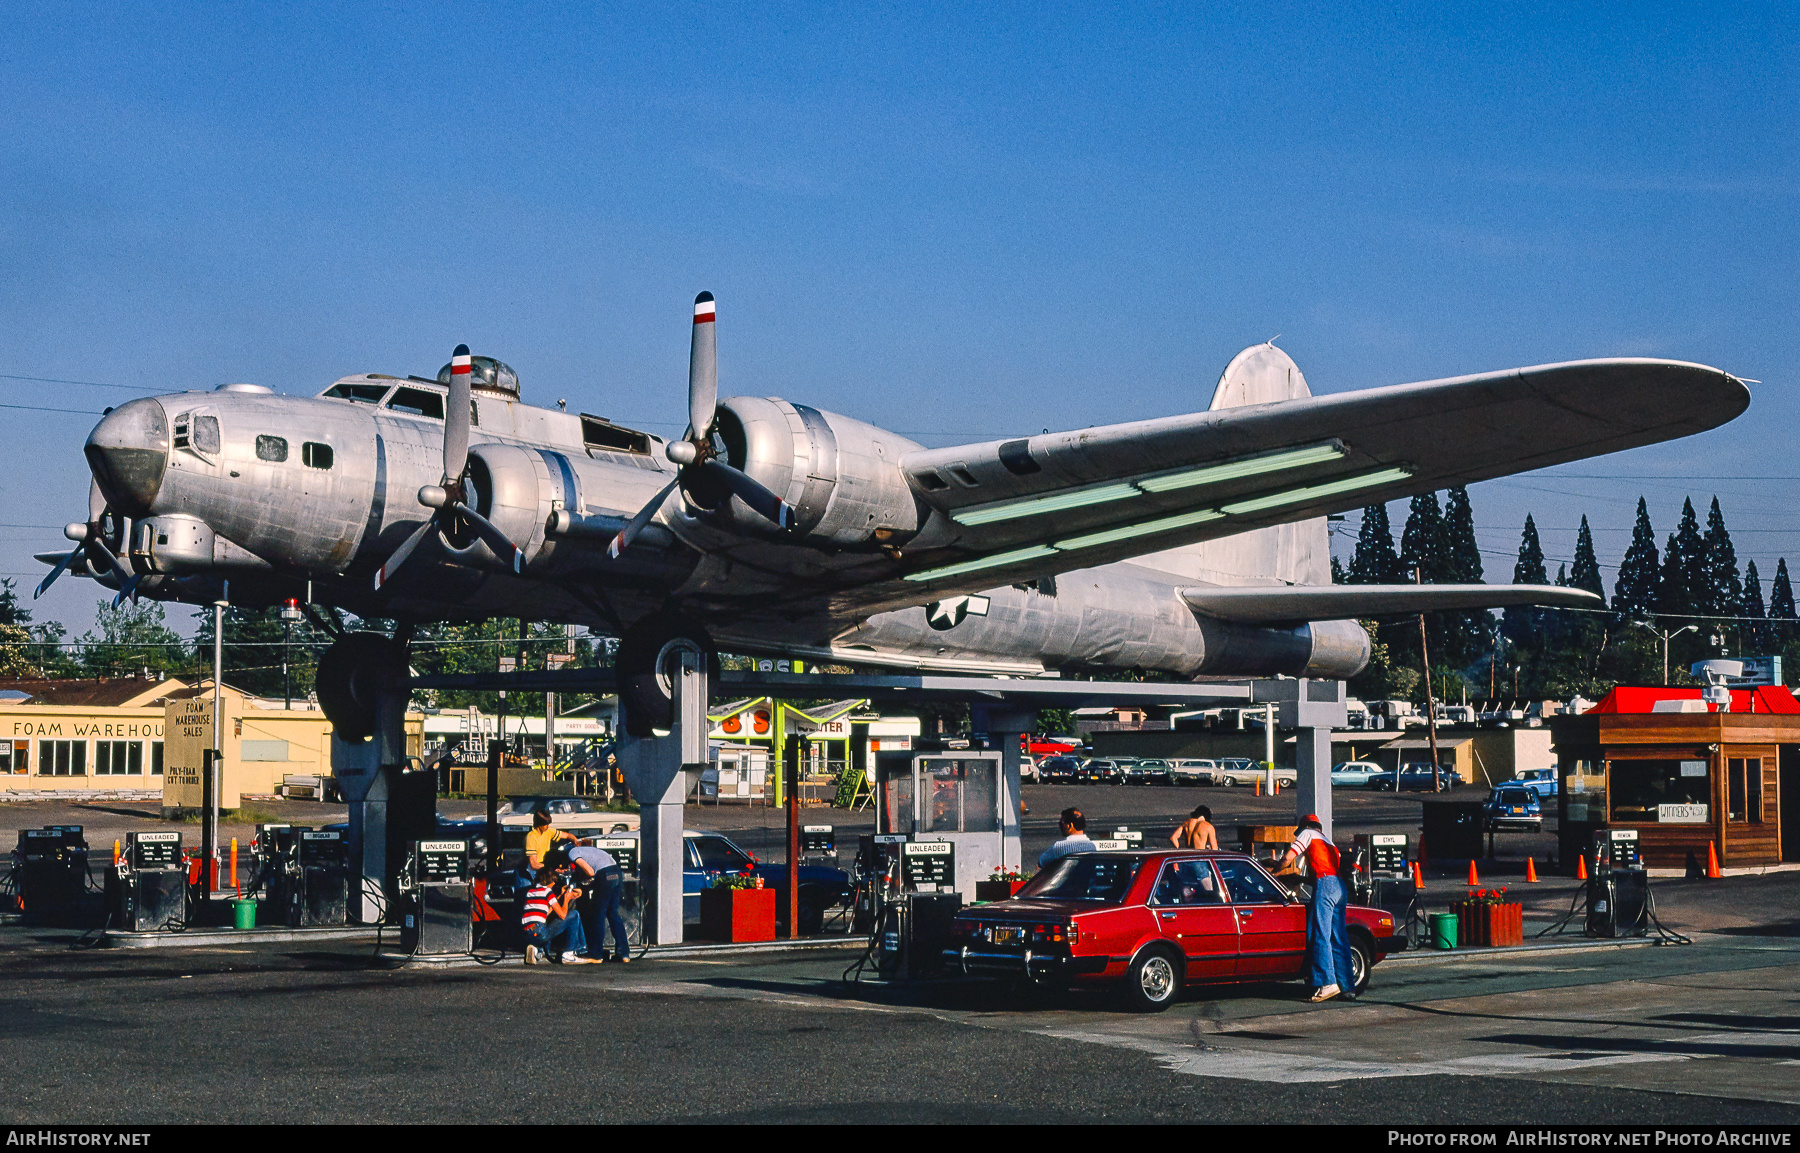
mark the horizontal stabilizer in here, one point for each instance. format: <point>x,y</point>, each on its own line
<point>1343,602</point>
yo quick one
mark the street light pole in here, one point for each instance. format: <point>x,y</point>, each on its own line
<point>1666,637</point>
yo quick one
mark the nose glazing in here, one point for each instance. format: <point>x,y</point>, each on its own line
<point>128,452</point>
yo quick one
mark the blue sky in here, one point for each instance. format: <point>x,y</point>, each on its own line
<point>957,222</point>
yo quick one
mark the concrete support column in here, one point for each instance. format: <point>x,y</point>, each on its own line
<point>363,770</point>
<point>1312,766</point>
<point>1004,728</point>
<point>654,769</point>
<point>1313,709</point>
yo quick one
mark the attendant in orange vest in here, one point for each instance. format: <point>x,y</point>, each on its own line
<point>1327,934</point>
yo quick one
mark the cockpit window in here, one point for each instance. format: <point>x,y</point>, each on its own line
<point>206,434</point>
<point>362,393</point>
<point>419,402</point>
<point>598,432</point>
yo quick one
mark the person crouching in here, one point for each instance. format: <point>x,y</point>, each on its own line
<point>549,918</point>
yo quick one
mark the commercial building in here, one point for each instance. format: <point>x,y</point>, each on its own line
<point>84,738</point>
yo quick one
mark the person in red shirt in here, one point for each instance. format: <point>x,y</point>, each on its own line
<point>1327,933</point>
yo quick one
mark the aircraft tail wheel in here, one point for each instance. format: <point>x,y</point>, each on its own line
<point>350,677</point>
<point>646,685</point>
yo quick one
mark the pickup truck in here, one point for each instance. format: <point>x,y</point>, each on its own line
<point>1540,781</point>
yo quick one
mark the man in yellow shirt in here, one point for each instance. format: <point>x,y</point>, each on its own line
<point>540,838</point>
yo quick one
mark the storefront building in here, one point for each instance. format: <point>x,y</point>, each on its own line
<point>1655,760</point>
<point>100,738</point>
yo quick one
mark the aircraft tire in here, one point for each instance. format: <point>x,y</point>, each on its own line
<point>643,686</point>
<point>349,678</point>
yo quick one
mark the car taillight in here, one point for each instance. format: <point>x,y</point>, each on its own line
<point>1053,934</point>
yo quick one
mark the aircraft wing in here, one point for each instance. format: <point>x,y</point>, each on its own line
<point>1280,603</point>
<point>1014,510</point>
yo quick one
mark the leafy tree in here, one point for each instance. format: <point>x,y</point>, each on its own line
<point>254,648</point>
<point>1634,593</point>
<point>1374,561</point>
<point>130,639</point>
<point>1586,574</point>
<point>1720,593</point>
<point>1382,679</point>
<point>1681,585</point>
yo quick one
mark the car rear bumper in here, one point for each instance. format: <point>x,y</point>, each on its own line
<point>1026,963</point>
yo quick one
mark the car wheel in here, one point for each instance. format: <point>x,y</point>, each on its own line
<point>1228,782</point>
<point>1153,982</point>
<point>1361,962</point>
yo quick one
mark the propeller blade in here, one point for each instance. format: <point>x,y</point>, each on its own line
<point>62,566</point>
<point>96,503</point>
<point>703,370</point>
<point>392,565</point>
<point>636,524</point>
<point>456,416</point>
<point>96,545</point>
<point>129,590</point>
<point>752,493</point>
<point>491,536</point>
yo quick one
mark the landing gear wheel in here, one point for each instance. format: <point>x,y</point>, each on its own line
<point>351,675</point>
<point>1153,982</point>
<point>646,687</point>
<point>1361,962</point>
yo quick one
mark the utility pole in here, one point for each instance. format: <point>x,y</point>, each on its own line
<point>1430,702</point>
<point>1666,636</point>
<point>212,783</point>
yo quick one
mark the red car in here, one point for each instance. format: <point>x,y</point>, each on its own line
<point>1154,921</point>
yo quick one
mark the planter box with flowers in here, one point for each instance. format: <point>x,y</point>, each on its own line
<point>1000,886</point>
<point>738,908</point>
<point>1486,917</point>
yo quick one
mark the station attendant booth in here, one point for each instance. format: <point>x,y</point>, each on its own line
<point>1658,760</point>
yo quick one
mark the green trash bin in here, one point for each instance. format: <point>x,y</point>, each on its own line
<point>1443,930</point>
<point>243,915</point>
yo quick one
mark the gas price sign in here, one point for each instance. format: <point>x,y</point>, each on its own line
<point>155,850</point>
<point>442,862</point>
<point>621,849</point>
<point>817,839</point>
<point>928,866</point>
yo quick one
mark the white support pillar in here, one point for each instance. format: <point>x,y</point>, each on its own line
<point>363,770</point>
<point>1313,708</point>
<point>1005,727</point>
<point>654,769</point>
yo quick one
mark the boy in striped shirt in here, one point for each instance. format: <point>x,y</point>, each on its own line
<point>548,918</point>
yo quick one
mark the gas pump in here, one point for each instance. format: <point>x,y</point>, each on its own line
<point>1381,876</point>
<point>51,869</point>
<point>1618,887</point>
<point>818,842</point>
<point>147,890</point>
<point>435,895</point>
<point>278,879</point>
<point>324,867</point>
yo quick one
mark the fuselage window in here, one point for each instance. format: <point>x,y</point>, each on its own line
<point>316,455</point>
<point>418,402</point>
<point>206,434</point>
<point>272,448</point>
<point>598,432</point>
<point>361,393</point>
<point>181,431</point>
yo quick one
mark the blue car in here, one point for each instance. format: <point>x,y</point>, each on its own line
<point>1512,806</point>
<point>1540,781</point>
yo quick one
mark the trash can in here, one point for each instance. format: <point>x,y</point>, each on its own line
<point>1443,930</point>
<point>243,914</point>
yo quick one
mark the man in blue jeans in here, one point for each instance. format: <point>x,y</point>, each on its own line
<point>601,880</point>
<point>1327,934</point>
<point>549,918</point>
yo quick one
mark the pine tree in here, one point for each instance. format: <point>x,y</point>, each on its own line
<point>1587,565</point>
<point>1634,593</point>
<point>1338,575</point>
<point>1521,623</point>
<point>1781,605</point>
<point>1422,540</point>
<point>1722,591</point>
<point>1756,634</point>
<point>1467,635</point>
<point>1374,562</point>
<point>1562,576</point>
<point>1681,586</point>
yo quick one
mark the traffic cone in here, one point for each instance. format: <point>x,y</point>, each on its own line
<point>1581,867</point>
<point>1259,784</point>
<point>1473,879</point>
<point>115,853</point>
<point>1530,871</point>
<point>1712,862</point>
<point>1418,877</point>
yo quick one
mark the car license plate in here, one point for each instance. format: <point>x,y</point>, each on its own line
<point>1007,935</point>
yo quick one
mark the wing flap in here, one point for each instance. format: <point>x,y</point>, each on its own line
<point>1281,603</point>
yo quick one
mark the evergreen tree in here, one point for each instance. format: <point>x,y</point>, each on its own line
<point>1422,540</point>
<point>1587,565</point>
<point>1374,561</point>
<point>1562,576</point>
<point>1722,593</point>
<point>1680,589</point>
<point>1521,623</point>
<point>1781,605</point>
<point>1338,575</point>
<point>11,611</point>
<point>1467,635</point>
<point>1634,593</point>
<point>1756,634</point>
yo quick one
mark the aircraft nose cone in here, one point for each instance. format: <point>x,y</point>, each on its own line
<point>128,451</point>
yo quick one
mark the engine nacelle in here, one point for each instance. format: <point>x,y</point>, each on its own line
<point>1329,650</point>
<point>842,477</point>
<point>511,489</point>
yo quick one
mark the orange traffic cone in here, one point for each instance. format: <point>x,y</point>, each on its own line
<point>1712,862</point>
<point>1418,877</point>
<point>1530,871</point>
<point>1473,879</point>
<point>1259,785</point>
<point>1581,867</point>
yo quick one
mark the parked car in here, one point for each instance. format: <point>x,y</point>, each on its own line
<point>1354,773</point>
<point>1513,806</point>
<point>1059,770</point>
<point>1152,922</point>
<point>1253,772</point>
<point>1194,772</point>
<point>1416,778</point>
<point>1540,781</point>
<point>1240,767</point>
<point>1100,772</point>
<point>1148,772</point>
<point>1028,770</point>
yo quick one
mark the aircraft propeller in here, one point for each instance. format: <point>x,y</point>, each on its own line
<point>91,540</point>
<point>449,498</point>
<point>696,454</point>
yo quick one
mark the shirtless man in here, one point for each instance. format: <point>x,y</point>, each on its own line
<point>1197,831</point>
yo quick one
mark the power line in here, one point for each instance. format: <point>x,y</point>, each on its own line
<point>56,380</point>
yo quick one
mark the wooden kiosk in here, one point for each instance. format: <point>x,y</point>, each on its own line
<point>1658,761</point>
